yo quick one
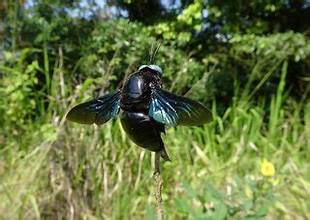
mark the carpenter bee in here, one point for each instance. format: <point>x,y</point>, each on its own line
<point>144,108</point>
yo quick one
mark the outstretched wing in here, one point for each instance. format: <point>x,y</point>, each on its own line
<point>96,111</point>
<point>173,110</point>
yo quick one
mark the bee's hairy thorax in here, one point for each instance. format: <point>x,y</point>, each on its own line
<point>136,91</point>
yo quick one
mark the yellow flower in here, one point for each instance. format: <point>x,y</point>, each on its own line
<point>267,168</point>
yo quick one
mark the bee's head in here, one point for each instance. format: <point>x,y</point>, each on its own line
<point>152,68</point>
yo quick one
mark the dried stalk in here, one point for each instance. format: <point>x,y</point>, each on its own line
<point>158,189</point>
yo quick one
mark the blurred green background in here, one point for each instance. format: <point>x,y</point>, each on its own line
<point>248,61</point>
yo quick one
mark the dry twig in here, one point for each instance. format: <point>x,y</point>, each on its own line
<point>159,186</point>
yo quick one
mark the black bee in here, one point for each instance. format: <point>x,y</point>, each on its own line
<point>145,108</point>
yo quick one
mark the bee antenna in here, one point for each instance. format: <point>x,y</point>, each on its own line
<point>153,51</point>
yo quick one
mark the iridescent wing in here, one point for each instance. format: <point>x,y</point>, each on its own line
<point>96,111</point>
<point>173,110</point>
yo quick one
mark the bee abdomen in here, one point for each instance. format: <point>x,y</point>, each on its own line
<point>142,130</point>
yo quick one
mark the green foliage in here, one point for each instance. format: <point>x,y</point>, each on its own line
<point>180,31</point>
<point>259,17</point>
<point>117,48</point>
<point>215,171</point>
<point>264,55</point>
<point>17,86</point>
<point>248,199</point>
<point>280,46</point>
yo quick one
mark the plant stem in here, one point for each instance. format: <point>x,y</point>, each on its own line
<point>159,186</point>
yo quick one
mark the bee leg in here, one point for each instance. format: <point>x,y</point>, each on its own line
<point>157,162</point>
<point>160,154</point>
<point>164,155</point>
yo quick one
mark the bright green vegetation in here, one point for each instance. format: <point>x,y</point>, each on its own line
<point>63,169</point>
<point>251,162</point>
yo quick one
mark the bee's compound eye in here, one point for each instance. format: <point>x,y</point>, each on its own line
<point>142,67</point>
<point>156,68</point>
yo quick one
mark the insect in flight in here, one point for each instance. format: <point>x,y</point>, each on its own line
<point>144,107</point>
